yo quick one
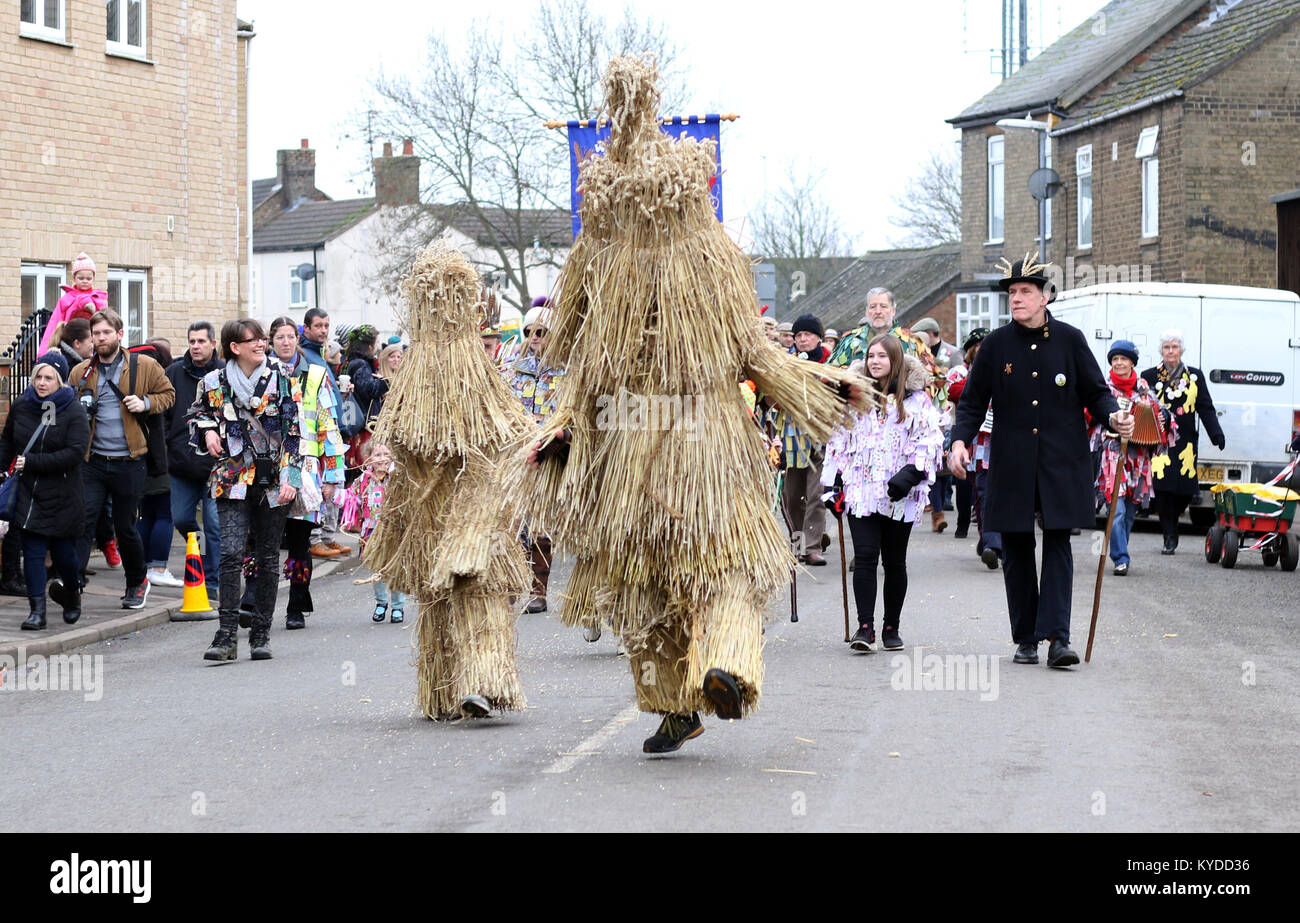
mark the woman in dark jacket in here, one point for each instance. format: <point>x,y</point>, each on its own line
<point>368,388</point>
<point>49,507</point>
<point>1185,392</point>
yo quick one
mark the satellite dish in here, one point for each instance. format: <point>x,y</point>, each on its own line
<point>1045,183</point>
<point>305,271</point>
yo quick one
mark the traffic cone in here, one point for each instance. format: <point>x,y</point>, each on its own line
<point>195,598</point>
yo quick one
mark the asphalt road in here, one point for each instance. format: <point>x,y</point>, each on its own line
<point>1184,721</point>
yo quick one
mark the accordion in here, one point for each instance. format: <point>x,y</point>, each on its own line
<point>1148,424</point>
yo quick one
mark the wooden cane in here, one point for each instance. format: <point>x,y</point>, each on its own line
<point>789,528</point>
<point>844,575</point>
<point>1101,563</point>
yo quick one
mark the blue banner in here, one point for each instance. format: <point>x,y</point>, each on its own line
<point>584,136</point>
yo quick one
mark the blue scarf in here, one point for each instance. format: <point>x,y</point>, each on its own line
<point>61,398</point>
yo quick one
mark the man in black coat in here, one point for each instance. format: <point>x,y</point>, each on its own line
<point>189,472</point>
<point>1040,377</point>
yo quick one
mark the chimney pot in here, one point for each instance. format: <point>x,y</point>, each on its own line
<point>388,149</point>
<point>408,147</point>
<point>305,144</point>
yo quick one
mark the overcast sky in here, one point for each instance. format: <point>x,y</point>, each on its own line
<point>857,91</point>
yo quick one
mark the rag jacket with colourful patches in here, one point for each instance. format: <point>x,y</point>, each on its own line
<point>1139,460</point>
<point>322,444</point>
<point>277,399</point>
<point>533,384</point>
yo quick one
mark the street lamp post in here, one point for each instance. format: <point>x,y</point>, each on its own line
<point>1042,128</point>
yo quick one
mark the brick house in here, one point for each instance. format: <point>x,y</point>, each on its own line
<point>125,137</point>
<point>923,280</point>
<point>1171,125</point>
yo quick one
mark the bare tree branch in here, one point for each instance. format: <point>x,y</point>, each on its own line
<point>795,222</point>
<point>929,209</point>
<point>475,112</point>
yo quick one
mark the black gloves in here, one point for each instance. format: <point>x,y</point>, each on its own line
<point>901,484</point>
<point>1219,441</point>
<point>834,498</point>
<point>556,448</point>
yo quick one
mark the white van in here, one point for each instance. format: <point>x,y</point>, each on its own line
<point>1246,341</point>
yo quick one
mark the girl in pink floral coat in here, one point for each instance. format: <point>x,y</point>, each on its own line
<point>361,505</point>
<point>885,465</point>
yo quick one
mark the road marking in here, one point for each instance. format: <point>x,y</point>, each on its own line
<point>793,772</point>
<point>592,744</point>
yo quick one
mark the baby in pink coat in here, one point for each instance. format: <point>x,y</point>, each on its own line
<point>80,299</point>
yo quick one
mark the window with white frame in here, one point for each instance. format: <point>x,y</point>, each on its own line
<point>1083,179</point>
<point>41,19</point>
<point>996,197</point>
<point>297,289</point>
<point>1147,149</point>
<point>40,286</point>
<point>128,295</point>
<point>126,22</point>
<point>981,309</point>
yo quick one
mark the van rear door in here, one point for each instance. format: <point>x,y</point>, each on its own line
<point>1247,355</point>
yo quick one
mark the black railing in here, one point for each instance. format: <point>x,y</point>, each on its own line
<point>23,353</point>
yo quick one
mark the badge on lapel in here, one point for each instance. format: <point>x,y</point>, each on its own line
<point>1060,379</point>
<point>1007,370</point>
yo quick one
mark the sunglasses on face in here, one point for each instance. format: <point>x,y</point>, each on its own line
<point>251,340</point>
<point>535,332</point>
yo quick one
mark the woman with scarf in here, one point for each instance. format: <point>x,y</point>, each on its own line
<point>48,507</point>
<point>246,417</point>
<point>1135,489</point>
<point>1185,392</point>
<point>322,471</point>
<point>885,465</point>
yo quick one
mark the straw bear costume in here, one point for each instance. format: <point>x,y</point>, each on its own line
<point>444,534</point>
<point>664,494</point>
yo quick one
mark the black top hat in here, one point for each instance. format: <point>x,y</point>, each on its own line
<point>1026,270</point>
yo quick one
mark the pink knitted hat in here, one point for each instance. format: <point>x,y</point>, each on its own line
<point>83,262</point>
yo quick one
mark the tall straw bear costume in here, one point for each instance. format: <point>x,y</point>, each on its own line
<point>665,495</point>
<point>445,535</point>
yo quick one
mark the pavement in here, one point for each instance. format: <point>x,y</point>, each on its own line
<point>1183,721</point>
<point>102,615</point>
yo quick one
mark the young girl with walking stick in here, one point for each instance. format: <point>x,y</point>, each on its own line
<point>884,465</point>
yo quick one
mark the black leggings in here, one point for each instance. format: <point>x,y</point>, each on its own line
<point>877,538</point>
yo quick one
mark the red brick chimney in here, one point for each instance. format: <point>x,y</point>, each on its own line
<point>296,173</point>
<point>397,179</point>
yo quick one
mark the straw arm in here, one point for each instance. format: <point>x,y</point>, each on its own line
<point>811,394</point>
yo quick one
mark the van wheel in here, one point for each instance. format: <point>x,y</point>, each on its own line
<point>1290,551</point>
<point>1214,544</point>
<point>1230,542</point>
<point>1202,516</point>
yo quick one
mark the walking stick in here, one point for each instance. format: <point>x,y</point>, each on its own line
<point>844,575</point>
<point>1101,562</point>
<point>789,528</point>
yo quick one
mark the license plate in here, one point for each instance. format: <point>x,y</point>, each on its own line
<point>1208,473</point>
